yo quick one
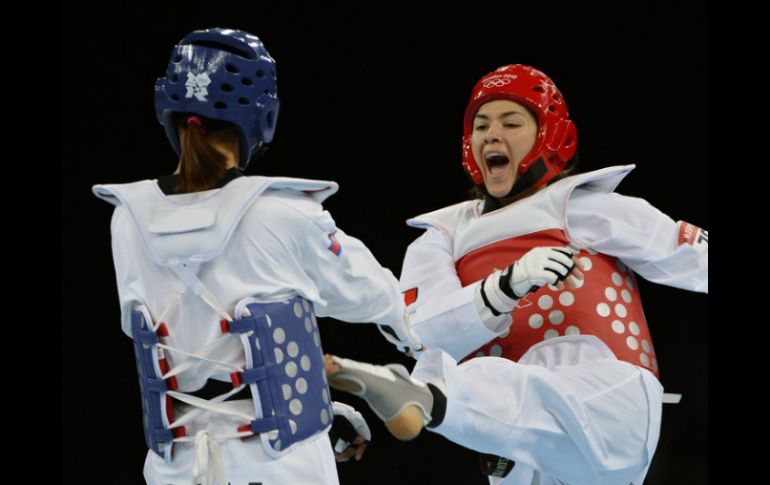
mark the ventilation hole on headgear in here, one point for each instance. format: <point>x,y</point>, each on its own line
<point>231,68</point>
<point>173,78</point>
<point>220,105</point>
<point>260,73</point>
<point>270,119</point>
<point>550,159</point>
<point>174,97</point>
<point>551,108</point>
<point>539,89</point>
<point>247,81</point>
<point>243,101</point>
<point>177,58</point>
<point>227,88</point>
<point>557,98</point>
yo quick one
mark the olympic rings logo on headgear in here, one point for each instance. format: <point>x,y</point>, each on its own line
<point>496,83</point>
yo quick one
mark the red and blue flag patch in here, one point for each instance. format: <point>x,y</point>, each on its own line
<point>335,245</point>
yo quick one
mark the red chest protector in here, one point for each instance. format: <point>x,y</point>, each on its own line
<point>606,305</point>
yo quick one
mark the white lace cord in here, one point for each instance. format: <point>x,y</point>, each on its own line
<point>163,314</point>
<point>198,410</point>
<point>200,354</point>
<point>207,466</point>
<point>211,405</point>
<point>212,301</point>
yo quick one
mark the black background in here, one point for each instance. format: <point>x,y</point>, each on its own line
<point>372,97</point>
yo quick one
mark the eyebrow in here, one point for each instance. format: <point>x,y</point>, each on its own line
<point>502,115</point>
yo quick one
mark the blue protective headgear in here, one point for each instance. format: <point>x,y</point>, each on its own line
<point>225,75</point>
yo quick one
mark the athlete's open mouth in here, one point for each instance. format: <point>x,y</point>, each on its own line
<point>496,162</point>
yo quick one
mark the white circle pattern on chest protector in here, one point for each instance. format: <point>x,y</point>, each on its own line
<point>295,406</point>
<point>301,385</point>
<point>617,279</point>
<point>633,327</point>
<point>298,310</point>
<point>279,335</point>
<point>305,305</point>
<point>550,333</point>
<point>646,346</point>
<point>644,359</point>
<point>626,295</point>
<point>610,293</point>
<point>278,355</point>
<point>496,351</point>
<point>308,325</point>
<point>324,416</point>
<point>304,362</point>
<point>618,327</point>
<point>291,369</point>
<point>587,264</point>
<point>572,330</point>
<point>545,302</point>
<point>566,298</point>
<point>603,309</point>
<point>536,320</point>
<point>630,282</point>
<point>632,343</point>
<point>286,391</point>
<point>556,317</point>
<point>620,310</point>
<point>325,396</point>
<point>292,349</point>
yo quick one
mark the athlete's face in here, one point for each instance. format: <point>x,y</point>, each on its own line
<point>503,134</point>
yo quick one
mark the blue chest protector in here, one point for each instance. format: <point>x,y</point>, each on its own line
<point>285,365</point>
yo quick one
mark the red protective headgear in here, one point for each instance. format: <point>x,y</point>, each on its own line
<point>556,140</point>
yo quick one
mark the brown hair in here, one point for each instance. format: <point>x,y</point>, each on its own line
<point>201,164</point>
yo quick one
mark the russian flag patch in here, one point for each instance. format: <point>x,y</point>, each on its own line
<point>335,245</point>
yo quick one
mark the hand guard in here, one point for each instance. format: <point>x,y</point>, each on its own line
<point>538,267</point>
<point>402,336</point>
<point>348,424</point>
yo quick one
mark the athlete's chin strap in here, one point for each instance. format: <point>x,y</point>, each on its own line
<point>523,182</point>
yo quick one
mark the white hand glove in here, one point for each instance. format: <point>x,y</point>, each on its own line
<point>538,267</point>
<point>348,443</point>
<point>402,336</point>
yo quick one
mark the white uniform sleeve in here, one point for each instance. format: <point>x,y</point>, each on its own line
<point>645,239</point>
<point>353,286</point>
<point>444,314</point>
<point>125,272</point>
